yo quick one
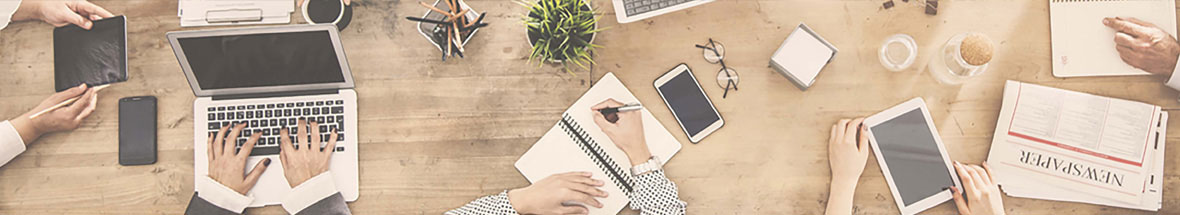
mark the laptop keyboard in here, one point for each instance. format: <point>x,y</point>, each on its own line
<point>636,7</point>
<point>269,118</point>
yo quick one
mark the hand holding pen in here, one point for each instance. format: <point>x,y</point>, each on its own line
<point>626,130</point>
<point>62,111</point>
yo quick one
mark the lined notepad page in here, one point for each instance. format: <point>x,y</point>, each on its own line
<point>1083,46</point>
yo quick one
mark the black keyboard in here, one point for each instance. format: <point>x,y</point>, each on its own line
<point>269,118</point>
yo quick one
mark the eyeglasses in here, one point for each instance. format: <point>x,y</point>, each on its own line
<point>727,78</point>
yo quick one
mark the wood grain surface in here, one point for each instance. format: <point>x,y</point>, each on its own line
<point>435,135</point>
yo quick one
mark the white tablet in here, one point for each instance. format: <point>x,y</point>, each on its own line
<point>691,107</point>
<point>912,156</point>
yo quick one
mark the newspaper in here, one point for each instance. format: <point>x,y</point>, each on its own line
<point>1069,146</point>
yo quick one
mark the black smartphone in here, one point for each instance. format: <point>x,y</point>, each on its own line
<point>137,130</point>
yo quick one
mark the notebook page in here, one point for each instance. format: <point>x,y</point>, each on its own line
<point>1083,46</point>
<point>556,152</point>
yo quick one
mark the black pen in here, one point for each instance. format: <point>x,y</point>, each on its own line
<point>624,108</point>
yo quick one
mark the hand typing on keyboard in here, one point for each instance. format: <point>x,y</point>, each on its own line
<point>305,158</point>
<point>227,164</point>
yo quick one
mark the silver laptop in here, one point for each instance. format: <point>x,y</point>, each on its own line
<point>269,78</point>
<point>635,10</point>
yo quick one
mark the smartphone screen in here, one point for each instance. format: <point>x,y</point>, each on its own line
<point>137,130</point>
<point>688,102</point>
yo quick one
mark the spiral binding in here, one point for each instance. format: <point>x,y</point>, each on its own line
<point>592,149</point>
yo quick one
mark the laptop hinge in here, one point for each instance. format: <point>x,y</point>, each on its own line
<point>277,94</point>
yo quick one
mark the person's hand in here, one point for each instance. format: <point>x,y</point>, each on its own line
<point>61,119</point>
<point>346,2</point>
<point>983,194</point>
<point>1143,45</point>
<point>848,151</point>
<point>626,131</point>
<point>309,160</point>
<point>558,194</point>
<point>227,165</point>
<point>61,12</point>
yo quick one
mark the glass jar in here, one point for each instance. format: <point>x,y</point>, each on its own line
<point>964,56</point>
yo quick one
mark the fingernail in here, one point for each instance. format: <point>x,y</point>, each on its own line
<point>266,162</point>
<point>1106,21</point>
<point>586,173</point>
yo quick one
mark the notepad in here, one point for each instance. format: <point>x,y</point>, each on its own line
<point>1083,46</point>
<point>575,143</point>
<point>802,55</point>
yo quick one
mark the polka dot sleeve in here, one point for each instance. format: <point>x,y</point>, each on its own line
<point>656,195</point>
<point>488,205</point>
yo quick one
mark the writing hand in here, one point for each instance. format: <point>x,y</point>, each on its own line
<point>626,132</point>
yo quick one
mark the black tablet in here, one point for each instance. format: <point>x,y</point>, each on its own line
<point>96,57</point>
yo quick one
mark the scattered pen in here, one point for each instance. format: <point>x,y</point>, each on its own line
<point>473,27</point>
<point>416,19</point>
<point>624,108</point>
<point>64,103</point>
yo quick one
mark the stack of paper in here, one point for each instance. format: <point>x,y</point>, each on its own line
<point>234,12</point>
<point>1062,145</point>
<point>802,56</point>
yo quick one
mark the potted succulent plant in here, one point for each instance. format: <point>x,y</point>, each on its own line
<point>562,31</point>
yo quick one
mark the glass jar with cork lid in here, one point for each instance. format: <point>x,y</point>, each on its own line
<point>964,56</point>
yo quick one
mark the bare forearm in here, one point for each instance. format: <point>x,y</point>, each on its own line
<point>840,198</point>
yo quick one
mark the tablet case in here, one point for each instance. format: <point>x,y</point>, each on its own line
<point>96,57</point>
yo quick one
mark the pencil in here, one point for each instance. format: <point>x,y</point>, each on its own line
<point>64,103</point>
<point>444,13</point>
<point>477,20</point>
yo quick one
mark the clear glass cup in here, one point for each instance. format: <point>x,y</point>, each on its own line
<point>950,68</point>
<point>898,52</point>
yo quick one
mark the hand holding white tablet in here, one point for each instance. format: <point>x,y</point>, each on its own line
<point>982,192</point>
<point>848,151</point>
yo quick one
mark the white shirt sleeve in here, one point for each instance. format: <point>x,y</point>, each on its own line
<point>1174,81</point>
<point>7,8</point>
<point>11,143</point>
<point>311,191</point>
<point>221,196</point>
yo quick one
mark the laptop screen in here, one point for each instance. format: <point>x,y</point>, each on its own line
<point>261,60</point>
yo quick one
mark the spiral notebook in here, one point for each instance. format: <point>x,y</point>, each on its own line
<point>1083,46</point>
<point>575,143</point>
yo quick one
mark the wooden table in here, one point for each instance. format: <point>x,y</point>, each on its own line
<point>436,135</point>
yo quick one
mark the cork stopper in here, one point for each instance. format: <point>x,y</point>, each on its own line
<point>976,49</point>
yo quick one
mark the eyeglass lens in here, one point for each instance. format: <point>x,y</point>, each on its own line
<point>714,52</point>
<point>725,76</point>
